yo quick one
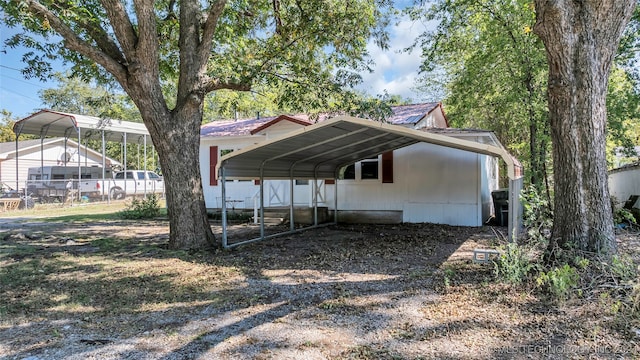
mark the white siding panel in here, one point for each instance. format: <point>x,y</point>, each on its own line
<point>441,213</point>
<point>623,184</point>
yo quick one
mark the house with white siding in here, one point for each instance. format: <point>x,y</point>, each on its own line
<point>422,182</point>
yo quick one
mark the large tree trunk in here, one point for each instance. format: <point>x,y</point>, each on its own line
<point>176,137</point>
<point>581,38</point>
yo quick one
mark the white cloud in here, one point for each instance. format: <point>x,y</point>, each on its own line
<point>395,70</point>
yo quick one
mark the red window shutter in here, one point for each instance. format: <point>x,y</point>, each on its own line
<point>213,161</point>
<point>329,181</point>
<point>387,167</point>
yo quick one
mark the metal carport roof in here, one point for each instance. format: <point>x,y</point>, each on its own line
<point>46,123</point>
<point>320,150</point>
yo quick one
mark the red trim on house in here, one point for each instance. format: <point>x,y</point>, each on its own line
<point>277,120</point>
<point>213,161</point>
<point>387,167</point>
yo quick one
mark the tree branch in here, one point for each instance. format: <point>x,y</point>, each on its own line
<point>218,84</point>
<point>121,25</point>
<point>98,34</point>
<point>146,48</point>
<point>276,14</point>
<point>204,48</point>
<point>76,43</point>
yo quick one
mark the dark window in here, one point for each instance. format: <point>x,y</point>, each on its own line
<point>348,172</point>
<point>302,182</point>
<point>369,168</point>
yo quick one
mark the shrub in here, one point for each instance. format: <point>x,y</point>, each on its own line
<point>146,208</point>
<point>513,265</point>
<point>623,216</point>
<point>559,281</point>
<point>537,215</point>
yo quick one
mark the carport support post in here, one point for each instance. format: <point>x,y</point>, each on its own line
<point>125,163</point>
<point>17,169</point>
<point>335,199</point>
<point>315,199</point>
<point>144,153</point>
<point>79,161</point>
<point>104,165</point>
<point>513,226</point>
<point>224,208</point>
<point>291,209</point>
<point>261,201</point>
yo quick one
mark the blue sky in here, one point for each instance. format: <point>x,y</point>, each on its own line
<point>394,71</point>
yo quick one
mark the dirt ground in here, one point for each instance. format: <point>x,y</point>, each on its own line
<point>111,290</point>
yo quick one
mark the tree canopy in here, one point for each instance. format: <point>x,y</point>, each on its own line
<point>168,55</point>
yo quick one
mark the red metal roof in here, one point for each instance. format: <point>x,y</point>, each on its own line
<point>277,120</point>
<point>402,114</point>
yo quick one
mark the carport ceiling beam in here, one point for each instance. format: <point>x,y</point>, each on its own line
<point>316,144</point>
<point>377,145</point>
<point>340,148</point>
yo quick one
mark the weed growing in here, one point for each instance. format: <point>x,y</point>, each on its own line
<point>146,208</point>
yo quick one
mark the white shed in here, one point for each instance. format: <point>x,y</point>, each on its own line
<point>45,152</point>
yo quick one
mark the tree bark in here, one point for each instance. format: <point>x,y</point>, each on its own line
<point>179,153</point>
<point>581,39</point>
<point>176,137</point>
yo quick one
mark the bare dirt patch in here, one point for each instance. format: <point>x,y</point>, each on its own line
<point>111,290</point>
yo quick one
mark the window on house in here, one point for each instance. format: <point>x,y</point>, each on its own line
<point>369,168</point>
<point>302,182</point>
<point>348,172</point>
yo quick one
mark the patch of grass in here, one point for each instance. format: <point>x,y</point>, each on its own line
<point>369,352</point>
<point>44,278</point>
<point>57,210</point>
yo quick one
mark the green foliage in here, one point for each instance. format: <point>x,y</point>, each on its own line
<point>76,96</point>
<point>559,281</point>
<point>302,51</point>
<point>146,208</point>
<point>449,275</point>
<point>513,266</point>
<point>623,117</point>
<point>623,268</point>
<point>623,216</point>
<point>537,215</point>
<point>494,72</point>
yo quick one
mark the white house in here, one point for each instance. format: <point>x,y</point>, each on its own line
<point>48,152</point>
<point>422,182</point>
<point>624,182</point>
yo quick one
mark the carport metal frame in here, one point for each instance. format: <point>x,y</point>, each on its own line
<point>319,151</point>
<point>54,123</point>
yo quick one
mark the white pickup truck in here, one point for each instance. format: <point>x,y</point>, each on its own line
<point>124,183</point>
